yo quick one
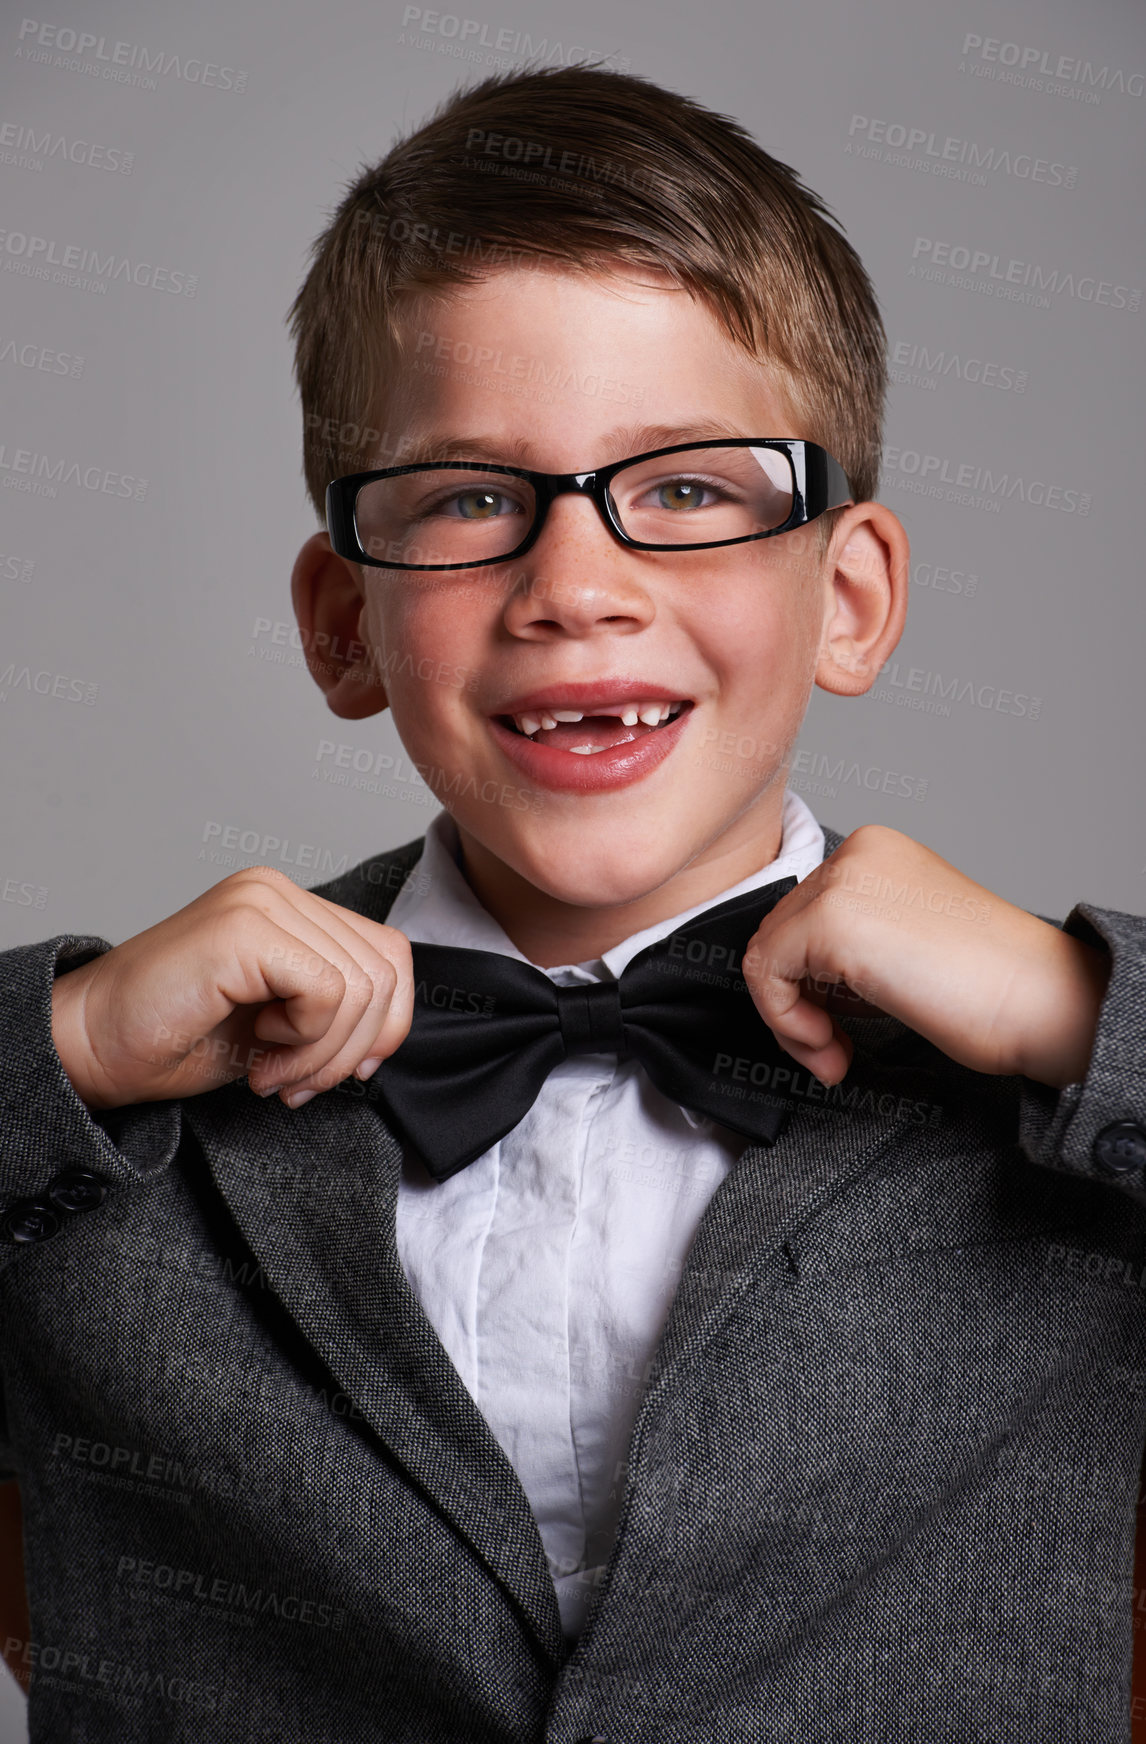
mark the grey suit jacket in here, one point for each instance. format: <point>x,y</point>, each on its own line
<point>881,1486</point>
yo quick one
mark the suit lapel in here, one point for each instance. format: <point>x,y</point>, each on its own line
<point>767,1196</point>
<point>771,1192</point>
<point>314,1191</point>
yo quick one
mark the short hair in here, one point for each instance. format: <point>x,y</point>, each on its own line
<point>591,168</point>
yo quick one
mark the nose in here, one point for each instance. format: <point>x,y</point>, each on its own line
<point>578,579</point>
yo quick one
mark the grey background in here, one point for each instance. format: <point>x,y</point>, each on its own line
<point>199,721</point>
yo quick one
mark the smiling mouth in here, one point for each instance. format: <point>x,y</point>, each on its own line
<point>584,733</point>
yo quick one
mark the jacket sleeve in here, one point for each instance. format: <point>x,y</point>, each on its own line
<point>1097,1128</point>
<point>45,1128</point>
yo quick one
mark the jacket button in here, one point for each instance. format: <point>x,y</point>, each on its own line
<point>29,1220</point>
<point>77,1190</point>
<point>1120,1148</point>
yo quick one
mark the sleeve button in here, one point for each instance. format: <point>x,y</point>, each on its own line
<point>77,1190</point>
<point>1120,1148</point>
<point>29,1220</point>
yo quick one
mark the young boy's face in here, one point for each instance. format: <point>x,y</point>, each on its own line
<point>738,635</point>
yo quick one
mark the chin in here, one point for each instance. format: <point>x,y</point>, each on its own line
<point>599,881</point>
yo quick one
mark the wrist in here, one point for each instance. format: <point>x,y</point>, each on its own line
<point>1059,1050</point>
<point>69,1037</point>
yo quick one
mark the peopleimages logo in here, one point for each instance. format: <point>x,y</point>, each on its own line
<point>518,367</point>
<point>30,355</point>
<point>219,1593</point>
<point>468,35</point>
<point>1017,63</point>
<point>933,692</point>
<point>124,63</point>
<point>41,475</point>
<point>938,153</point>
<point>25,148</point>
<point>918,366</point>
<point>86,267</point>
<point>976,486</point>
<point>259,847</point>
<point>1015,280</point>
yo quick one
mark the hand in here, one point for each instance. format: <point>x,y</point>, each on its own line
<point>254,977</point>
<point>995,988</point>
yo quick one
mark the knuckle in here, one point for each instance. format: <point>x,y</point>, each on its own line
<point>336,977</point>
<point>758,958</point>
<point>398,945</point>
<point>362,980</point>
<point>257,875</point>
<point>247,898</point>
<point>872,835</point>
<point>358,983</point>
<point>303,961</point>
<point>387,978</point>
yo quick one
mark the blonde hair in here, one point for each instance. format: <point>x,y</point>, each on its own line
<point>584,168</point>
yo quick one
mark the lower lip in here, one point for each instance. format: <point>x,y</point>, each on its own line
<point>597,771</point>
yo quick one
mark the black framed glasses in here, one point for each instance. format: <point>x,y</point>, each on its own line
<point>462,514</point>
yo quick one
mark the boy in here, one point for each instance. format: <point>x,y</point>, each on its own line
<point>652,1307</point>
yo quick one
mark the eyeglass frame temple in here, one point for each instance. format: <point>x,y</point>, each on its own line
<point>833,480</point>
<point>819,475</point>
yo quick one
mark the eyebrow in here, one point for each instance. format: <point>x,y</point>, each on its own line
<point>623,440</point>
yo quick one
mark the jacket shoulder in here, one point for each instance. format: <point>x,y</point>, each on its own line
<point>370,887</point>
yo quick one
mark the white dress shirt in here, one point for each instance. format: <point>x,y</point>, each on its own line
<point>548,1265</point>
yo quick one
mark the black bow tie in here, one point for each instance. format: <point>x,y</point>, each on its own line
<point>488,1030</point>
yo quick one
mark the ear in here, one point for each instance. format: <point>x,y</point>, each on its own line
<point>329,604</point>
<point>865,577</point>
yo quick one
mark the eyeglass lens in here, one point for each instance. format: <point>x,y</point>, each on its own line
<point>696,497</point>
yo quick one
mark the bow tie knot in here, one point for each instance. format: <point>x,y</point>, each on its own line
<point>591,1020</point>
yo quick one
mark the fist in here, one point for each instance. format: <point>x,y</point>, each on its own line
<point>254,978</point>
<point>995,988</point>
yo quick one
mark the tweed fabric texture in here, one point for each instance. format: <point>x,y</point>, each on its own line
<point>881,1483</point>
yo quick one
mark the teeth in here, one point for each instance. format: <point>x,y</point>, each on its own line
<point>651,713</point>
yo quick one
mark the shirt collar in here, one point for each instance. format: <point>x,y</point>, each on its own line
<point>436,906</point>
